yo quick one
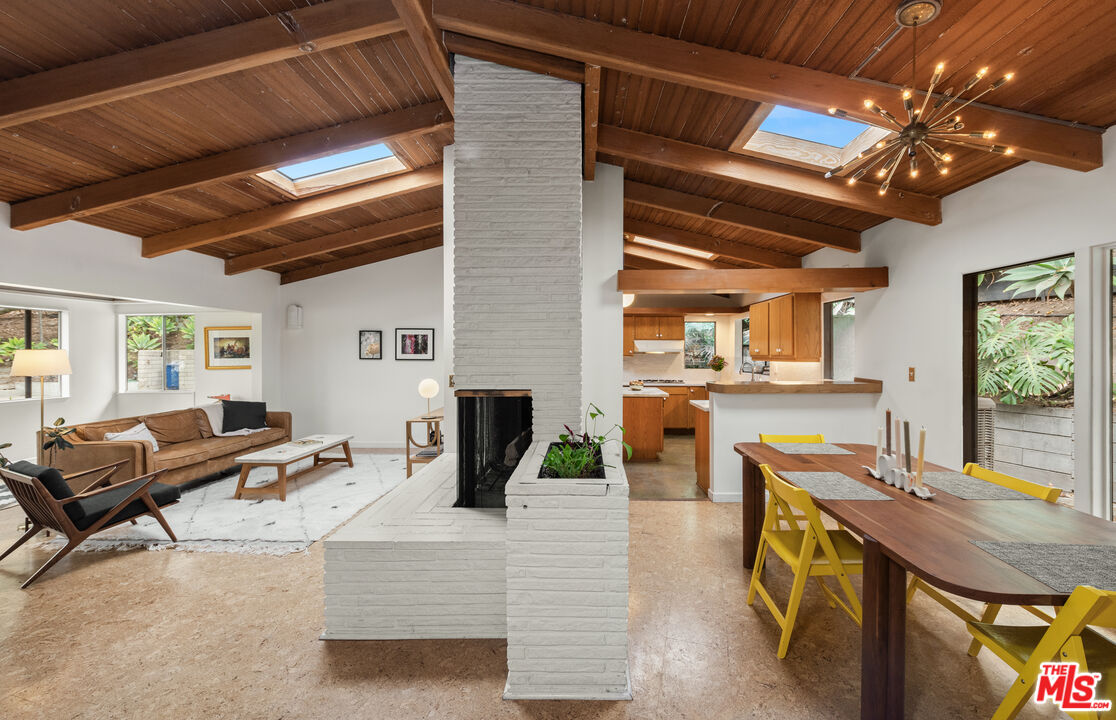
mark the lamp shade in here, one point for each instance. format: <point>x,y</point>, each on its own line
<point>629,298</point>
<point>40,363</point>
<point>428,388</point>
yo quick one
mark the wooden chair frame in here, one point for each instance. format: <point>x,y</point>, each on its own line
<point>47,512</point>
<point>990,610</point>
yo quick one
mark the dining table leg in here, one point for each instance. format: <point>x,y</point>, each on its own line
<point>883,636</point>
<point>754,500</point>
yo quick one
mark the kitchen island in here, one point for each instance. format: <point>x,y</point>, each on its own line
<point>643,422</point>
<point>842,410</point>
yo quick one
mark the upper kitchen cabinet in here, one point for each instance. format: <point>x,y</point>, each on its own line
<point>660,327</point>
<point>787,328</point>
<point>629,335</point>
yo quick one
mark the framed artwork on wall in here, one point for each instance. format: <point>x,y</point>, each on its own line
<point>228,348</point>
<point>414,343</point>
<point>370,345</point>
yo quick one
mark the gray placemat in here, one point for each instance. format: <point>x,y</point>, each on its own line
<point>968,487</point>
<point>810,449</point>
<point>1062,567</point>
<point>833,486</point>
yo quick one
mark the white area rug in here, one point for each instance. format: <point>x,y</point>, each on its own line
<point>207,519</point>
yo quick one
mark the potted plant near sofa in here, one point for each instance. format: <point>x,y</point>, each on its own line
<point>576,455</point>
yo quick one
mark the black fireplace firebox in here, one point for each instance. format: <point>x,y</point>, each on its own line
<point>493,433</point>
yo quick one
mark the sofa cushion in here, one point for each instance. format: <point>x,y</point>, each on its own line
<point>51,478</point>
<point>225,445</point>
<point>183,454</point>
<point>205,422</point>
<point>95,432</point>
<point>94,508</point>
<point>241,415</point>
<point>265,436</point>
<point>178,426</point>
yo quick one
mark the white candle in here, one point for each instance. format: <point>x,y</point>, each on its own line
<point>879,441</point>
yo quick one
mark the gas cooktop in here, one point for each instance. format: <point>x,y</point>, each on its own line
<point>661,381</point>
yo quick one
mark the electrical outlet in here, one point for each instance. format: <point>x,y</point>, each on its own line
<point>910,374</point>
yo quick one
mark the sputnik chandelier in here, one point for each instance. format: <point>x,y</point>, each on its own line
<point>924,130</point>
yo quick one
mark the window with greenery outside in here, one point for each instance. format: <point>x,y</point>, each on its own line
<point>159,352</point>
<point>701,344</point>
<point>21,328</point>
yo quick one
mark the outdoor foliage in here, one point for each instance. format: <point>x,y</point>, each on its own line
<point>577,456</point>
<point>1041,279</point>
<point>701,343</point>
<point>1022,360</point>
<point>9,347</point>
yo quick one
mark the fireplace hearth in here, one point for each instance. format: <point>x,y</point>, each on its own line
<point>493,433</point>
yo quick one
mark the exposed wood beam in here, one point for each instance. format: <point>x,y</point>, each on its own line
<point>752,125</point>
<point>358,260</point>
<point>779,280</point>
<point>710,310</point>
<point>742,216</point>
<point>282,214</point>
<point>515,57</point>
<point>418,18</point>
<point>736,74</point>
<point>334,241</point>
<point>590,111</point>
<point>722,165</point>
<point>196,57</point>
<point>681,260</point>
<point>642,263</point>
<point>706,243</point>
<point>103,196</point>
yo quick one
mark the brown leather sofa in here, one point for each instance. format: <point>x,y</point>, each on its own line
<point>188,449</point>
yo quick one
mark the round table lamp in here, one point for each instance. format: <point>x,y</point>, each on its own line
<point>428,388</point>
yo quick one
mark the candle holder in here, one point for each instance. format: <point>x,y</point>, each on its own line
<point>889,470</point>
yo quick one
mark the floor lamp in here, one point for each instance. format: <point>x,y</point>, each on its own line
<point>40,364</point>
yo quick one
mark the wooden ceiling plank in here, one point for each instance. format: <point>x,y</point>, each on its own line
<point>418,18</point>
<point>741,216</point>
<point>103,196</point>
<point>515,57</point>
<point>641,263</point>
<point>196,57</point>
<point>686,310</point>
<point>736,74</point>
<point>722,165</point>
<point>591,110</point>
<point>783,280</point>
<point>282,214</point>
<point>334,241</point>
<point>356,261</point>
<point>706,243</point>
<point>681,260</point>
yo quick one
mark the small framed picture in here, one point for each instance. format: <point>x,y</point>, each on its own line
<point>370,345</point>
<point>228,348</point>
<point>414,343</point>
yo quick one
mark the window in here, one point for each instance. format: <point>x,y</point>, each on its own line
<point>336,170</point>
<point>671,247</point>
<point>840,342</point>
<point>21,328</point>
<point>159,352</point>
<point>807,139</point>
<point>812,127</point>
<point>337,161</point>
<point>701,343</point>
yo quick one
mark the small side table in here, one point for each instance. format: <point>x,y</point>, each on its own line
<point>427,451</point>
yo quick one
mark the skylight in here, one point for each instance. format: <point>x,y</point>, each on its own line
<point>338,161</point>
<point>812,127</point>
<point>671,247</point>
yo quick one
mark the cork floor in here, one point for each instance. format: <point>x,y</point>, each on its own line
<point>180,636</point>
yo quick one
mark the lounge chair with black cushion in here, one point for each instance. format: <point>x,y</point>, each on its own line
<point>45,496</point>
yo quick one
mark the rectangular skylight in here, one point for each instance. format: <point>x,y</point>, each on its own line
<point>812,127</point>
<point>337,161</point>
<point>671,247</point>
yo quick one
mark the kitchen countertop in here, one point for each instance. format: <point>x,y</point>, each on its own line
<point>645,392</point>
<point>859,385</point>
<point>702,405</point>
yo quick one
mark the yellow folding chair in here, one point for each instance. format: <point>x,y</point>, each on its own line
<point>1067,639</point>
<point>812,552</point>
<point>990,611</point>
<point>793,521</point>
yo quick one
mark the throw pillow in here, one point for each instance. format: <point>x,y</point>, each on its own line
<point>136,434</point>
<point>242,415</point>
<point>51,478</point>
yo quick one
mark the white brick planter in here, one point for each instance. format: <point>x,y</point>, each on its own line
<point>567,580</point>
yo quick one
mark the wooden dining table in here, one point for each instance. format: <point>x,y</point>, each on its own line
<point>929,538</point>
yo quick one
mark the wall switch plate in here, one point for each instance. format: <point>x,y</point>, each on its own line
<point>910,374</point>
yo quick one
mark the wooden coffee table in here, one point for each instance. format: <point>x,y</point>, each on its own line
<point>280,456</point>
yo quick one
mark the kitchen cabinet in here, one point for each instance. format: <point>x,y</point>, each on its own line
<point>629,335</point>
<point>696,393</point>
<point>659,327</point>
<point>643,426</point>
<point>786,328</point>
<point>701,447</point>
<point>676,413</point>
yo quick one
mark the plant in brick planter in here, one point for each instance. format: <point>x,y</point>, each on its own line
<point>580,456</point>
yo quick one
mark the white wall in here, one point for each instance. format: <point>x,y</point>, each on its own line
<point>602,321</point>
<point>327,387</point>
<point>1028,213</point>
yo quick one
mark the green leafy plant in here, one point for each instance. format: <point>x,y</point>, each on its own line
<point>1019,361</point>
<point>56,438</point>
<point>8,347</point>
<point>143,342</point>
<point>1042,279</point>
<point>577,455</point>
<point>717,363</point>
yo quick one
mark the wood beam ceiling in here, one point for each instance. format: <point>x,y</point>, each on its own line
<point>590,112</point>
<point>355,261</point>
<point>417,17</point>
<point>752,125</point>
<point>641,263</point>
<point>334,241</point>
<point>752,281</point>
<point>706,243</point>
<point>722,165</point>
<point>736,74</point>
<point>686,310</point>
<point>681,260</point>
<point>103,196</point>
<point>515,57</point>
<point>196,57</point>
<point>276,215</point>
<point>741,216</point>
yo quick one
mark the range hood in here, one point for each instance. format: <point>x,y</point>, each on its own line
<point>658,346</point>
